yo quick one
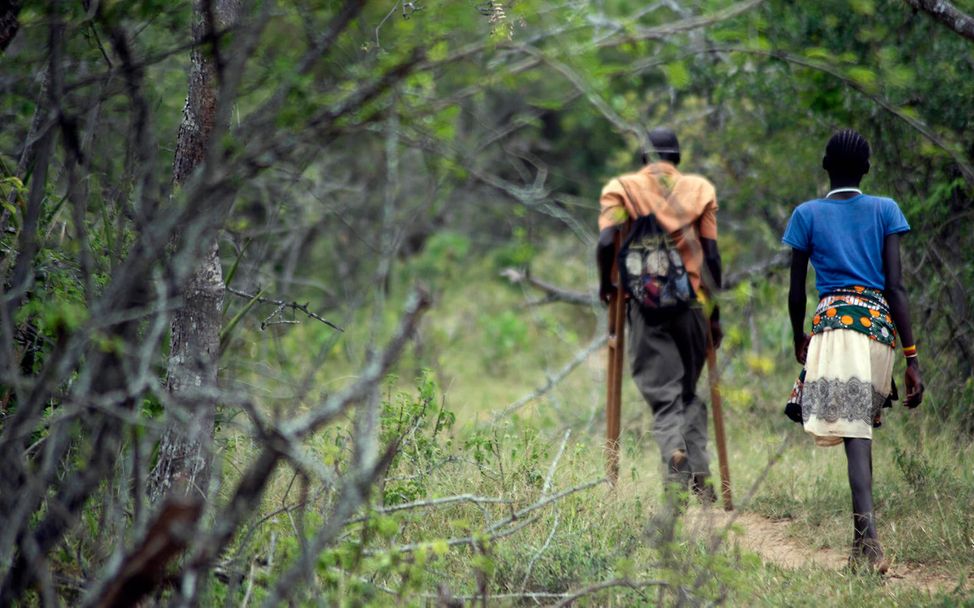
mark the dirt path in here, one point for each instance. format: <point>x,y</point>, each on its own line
<point>770,540</point>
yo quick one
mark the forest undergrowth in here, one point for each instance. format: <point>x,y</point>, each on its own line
<point>514,507</point>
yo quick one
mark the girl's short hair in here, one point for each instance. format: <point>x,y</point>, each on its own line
<point>847,150</point>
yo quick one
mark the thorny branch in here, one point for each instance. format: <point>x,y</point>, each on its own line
<point>282,304</point>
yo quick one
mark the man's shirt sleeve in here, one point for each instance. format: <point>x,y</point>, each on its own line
<point>796,233</point>
<point>613,205</point>
<point>708,219</point>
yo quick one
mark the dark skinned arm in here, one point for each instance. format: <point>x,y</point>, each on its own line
<point>796,303</point>
<point>899,308</point>
<point>711,257</point>
<point>605,252</point>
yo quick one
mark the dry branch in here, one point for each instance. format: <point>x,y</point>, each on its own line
<point>545,501</point>
<point>279,441</point>
<point>282,304</point>
<point>540,552</point>
<point>616,582</point>
<point>145,566</point>
<point>432,502</point>
<point>948,15</point>
<point>553,293</point>
<point>718,538</point>
<point>554,463</point>
<point>553,381</point>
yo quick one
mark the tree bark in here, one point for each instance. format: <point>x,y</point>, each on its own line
<point>947,14</point>
<point>183,466</point>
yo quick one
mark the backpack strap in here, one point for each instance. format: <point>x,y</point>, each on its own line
<point>706,280</point>
<point>632,199</point>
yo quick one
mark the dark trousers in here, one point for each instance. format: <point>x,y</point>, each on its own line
<point>666,356</point>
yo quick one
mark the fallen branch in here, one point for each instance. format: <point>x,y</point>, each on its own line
<point>616,582</point>
<point>432,502</point>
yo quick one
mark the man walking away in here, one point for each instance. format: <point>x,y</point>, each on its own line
<point>667,348</point>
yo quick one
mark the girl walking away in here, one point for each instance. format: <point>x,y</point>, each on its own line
<point>853,242</point>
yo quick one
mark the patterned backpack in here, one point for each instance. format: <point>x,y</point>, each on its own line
<point>651,268</point>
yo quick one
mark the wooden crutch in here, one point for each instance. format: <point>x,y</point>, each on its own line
<point>715,405</point>
<point>616,351</point>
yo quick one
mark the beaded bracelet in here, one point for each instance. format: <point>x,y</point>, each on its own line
<point>910,351</point>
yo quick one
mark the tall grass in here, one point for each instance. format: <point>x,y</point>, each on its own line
<point>486,349</point>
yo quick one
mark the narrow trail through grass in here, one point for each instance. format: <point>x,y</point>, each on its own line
<point>770,540</point>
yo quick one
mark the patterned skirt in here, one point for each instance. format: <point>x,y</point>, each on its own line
<point>847,381</point>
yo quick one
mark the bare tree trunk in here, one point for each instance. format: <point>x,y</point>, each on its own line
<point>184,455</point>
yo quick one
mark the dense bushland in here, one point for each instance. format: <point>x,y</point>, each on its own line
<point>260,340</point>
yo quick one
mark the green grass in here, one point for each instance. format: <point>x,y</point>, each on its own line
<point>486,349</point>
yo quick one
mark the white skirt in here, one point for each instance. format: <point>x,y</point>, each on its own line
<point>848,378</point>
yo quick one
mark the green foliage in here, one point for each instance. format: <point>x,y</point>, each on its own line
<point>518,253</point>
<point>504,334</point>
<point>443,257</point>
<point>490,162</point>
<point>418,426</point>
<point>677,74</point>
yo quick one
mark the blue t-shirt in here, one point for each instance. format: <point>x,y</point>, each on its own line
<point>844,239</point>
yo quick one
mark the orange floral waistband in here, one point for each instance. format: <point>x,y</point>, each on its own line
<point>857,308</point>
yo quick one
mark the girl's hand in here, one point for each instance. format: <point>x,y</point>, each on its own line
<point>801,347</point>
<point>914,384</point>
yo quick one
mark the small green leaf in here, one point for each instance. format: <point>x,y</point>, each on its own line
<point>677,74</point>
<point>817,52</point>
<point>864,76</point>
